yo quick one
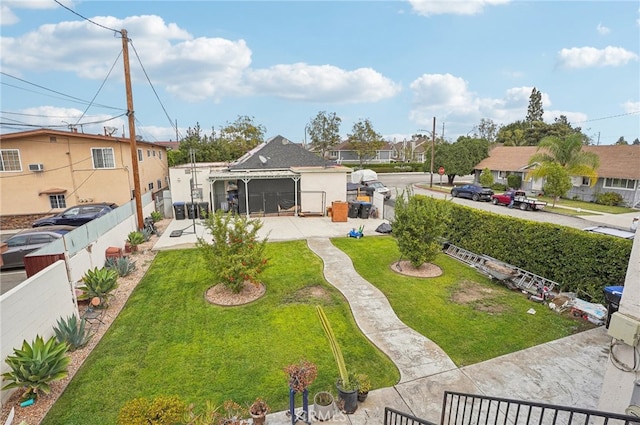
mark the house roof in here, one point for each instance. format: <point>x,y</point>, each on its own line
<point>617,161</point>
<point>278,153</point>
<point>171,146</point>
<point>71,134</point>
<point>344,146</point>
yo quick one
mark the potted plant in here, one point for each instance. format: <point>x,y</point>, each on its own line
<point>323,405</point>
<point>347,384</point>
<point>258,410</point>
<point>301,375</point>
<point>364,385</point>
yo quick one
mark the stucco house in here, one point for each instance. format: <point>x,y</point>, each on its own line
<point>619,171</point>
<point>277,177</point>
<point>45,171</point>
<point>343,154</point>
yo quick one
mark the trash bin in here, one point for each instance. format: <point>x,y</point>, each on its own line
<point>365,209</point>
<point>192,210</point>
<point>203,209</point>
<point>354,209</point>
<point>612,294</point>
<point>178,208</point>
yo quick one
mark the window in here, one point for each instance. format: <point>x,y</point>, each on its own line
<point>40,239</point>
<point>10,160</point>
<point>148,153</point>
<point>154,153</point>
<point>53,139</point>
<point>151,186</point>
<point>159,183</point>
<point>140,158</point>
<point>57,201</point>
<point>160,154</point>
<point>19,240</point>
<point>103,158</point>
<point>586,181</point>
<point>502,175</point>
<point>619,183</point>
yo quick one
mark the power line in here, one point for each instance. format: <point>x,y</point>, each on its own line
<point>87,19</point>
<point>606,118</point>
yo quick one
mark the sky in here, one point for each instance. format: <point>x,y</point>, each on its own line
<point>399,64</point>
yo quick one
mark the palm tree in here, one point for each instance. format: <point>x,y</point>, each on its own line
<point>566,152</point>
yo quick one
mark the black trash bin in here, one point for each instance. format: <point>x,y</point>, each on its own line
<point>354,209</point>
<point>365,209</point>
<point>192,210</point>
<point>203,209</point>
<point>179,211</point>
<point>612,294</point>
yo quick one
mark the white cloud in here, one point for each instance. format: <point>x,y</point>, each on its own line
<point>455,7</point>
<point>588,57</point>
<point>323,83</point>
<point>61,118</point>
<point>7,17</point>
<point>630,106</point>
<point>603,30</point>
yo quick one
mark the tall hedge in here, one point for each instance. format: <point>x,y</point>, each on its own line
<point>579,261</point>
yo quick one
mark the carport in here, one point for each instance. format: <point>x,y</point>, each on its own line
<point>283,193</point>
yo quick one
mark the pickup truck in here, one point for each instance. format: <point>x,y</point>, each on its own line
<point>520,200</point>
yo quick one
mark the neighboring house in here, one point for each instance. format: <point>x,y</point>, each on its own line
<point>170,146</point>
<point>343,154</point>
<point>45,171</point>
<point>619,171</point>
<point>278,177</point>
<point>409,151</point>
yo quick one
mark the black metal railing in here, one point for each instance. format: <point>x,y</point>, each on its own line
<point>395,417</point>
<point>470,409</point>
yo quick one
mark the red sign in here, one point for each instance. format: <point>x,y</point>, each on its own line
<point>441,170</point>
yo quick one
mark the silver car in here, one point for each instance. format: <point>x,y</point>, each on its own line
<point>27,241</point>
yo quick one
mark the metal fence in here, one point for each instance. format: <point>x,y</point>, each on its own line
<point>395,417</point>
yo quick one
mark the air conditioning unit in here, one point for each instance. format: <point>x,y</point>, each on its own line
<point>36,167</point>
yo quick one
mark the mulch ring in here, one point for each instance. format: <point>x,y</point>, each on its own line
<point>405,267</point>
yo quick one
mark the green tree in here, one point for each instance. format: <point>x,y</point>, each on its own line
<point>459,158</point>
<point>486,178</point>
<point>567,153</point>
<point>418,226</point>
<point>241,136</point>
<point>487,129</point>
<point>324,131</point>
<point>636,141</point>
<point>557,181</point>
<point>621,141</point>
<point>535,110</point>
<point>512,134</point>
<point>364,141</point>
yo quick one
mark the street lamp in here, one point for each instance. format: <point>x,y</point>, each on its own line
<point>433,148</point>
<point>306,130</point>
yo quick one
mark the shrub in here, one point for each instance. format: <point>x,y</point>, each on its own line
<point>71,332</point>
<point>156,216</point>
<point>98,283</point>
<point>236,255</point>
<point>135,238</point>
<point>486,178</point>
<point>609,198</point>
<point>146,234</point>
<point>514,181</point>
<point>122,265</point>
<point>162,410</point>
<point>36,365</point>
<point>498,187</point>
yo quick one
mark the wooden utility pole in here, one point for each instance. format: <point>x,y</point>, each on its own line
<point>132,131</point>
<point>433,149</point>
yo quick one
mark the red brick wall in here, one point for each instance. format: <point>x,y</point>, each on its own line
<point>10,222</point>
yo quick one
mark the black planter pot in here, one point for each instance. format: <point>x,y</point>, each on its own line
<point>347,400</point>
<point>362,396</point>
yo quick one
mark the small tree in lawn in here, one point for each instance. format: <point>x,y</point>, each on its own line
<point>557,182</point>
<point>236,255</point>
<point>420,223</point>
<point>486,178</point>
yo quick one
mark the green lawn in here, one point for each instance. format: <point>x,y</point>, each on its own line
<point>491,321</point>
<point>168,340</point>
<point>591,206</point>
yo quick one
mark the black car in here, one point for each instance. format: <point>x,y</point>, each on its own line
<point>472,191</point>
<point>27,241</point>
<point>76,216</point>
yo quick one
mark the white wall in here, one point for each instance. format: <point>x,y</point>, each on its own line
<point>332,181</point>
<point>618,386</point>
<point>33,308</point>
<point>180,178</point>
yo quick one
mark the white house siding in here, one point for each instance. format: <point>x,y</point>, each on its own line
<point>330,181</point>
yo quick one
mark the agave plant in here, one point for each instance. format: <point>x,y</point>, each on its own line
<point>71,332</point>
<point>122,265</point>
<point>135,238</point>
<point>146,234</point>
<point>98,283</point>
<point>36,365</point>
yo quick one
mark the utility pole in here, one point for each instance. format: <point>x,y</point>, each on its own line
<point>433,149</point>
<point>132,130</point>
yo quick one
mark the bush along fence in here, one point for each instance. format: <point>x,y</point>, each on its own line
<point>579,261</point>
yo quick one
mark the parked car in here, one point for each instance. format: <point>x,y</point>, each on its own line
<point>472,191</point>
<point>77,216</point>
<point>520,200</point>
<point>27,241</point>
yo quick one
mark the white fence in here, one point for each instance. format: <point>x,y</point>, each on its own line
<point>33,307</point>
